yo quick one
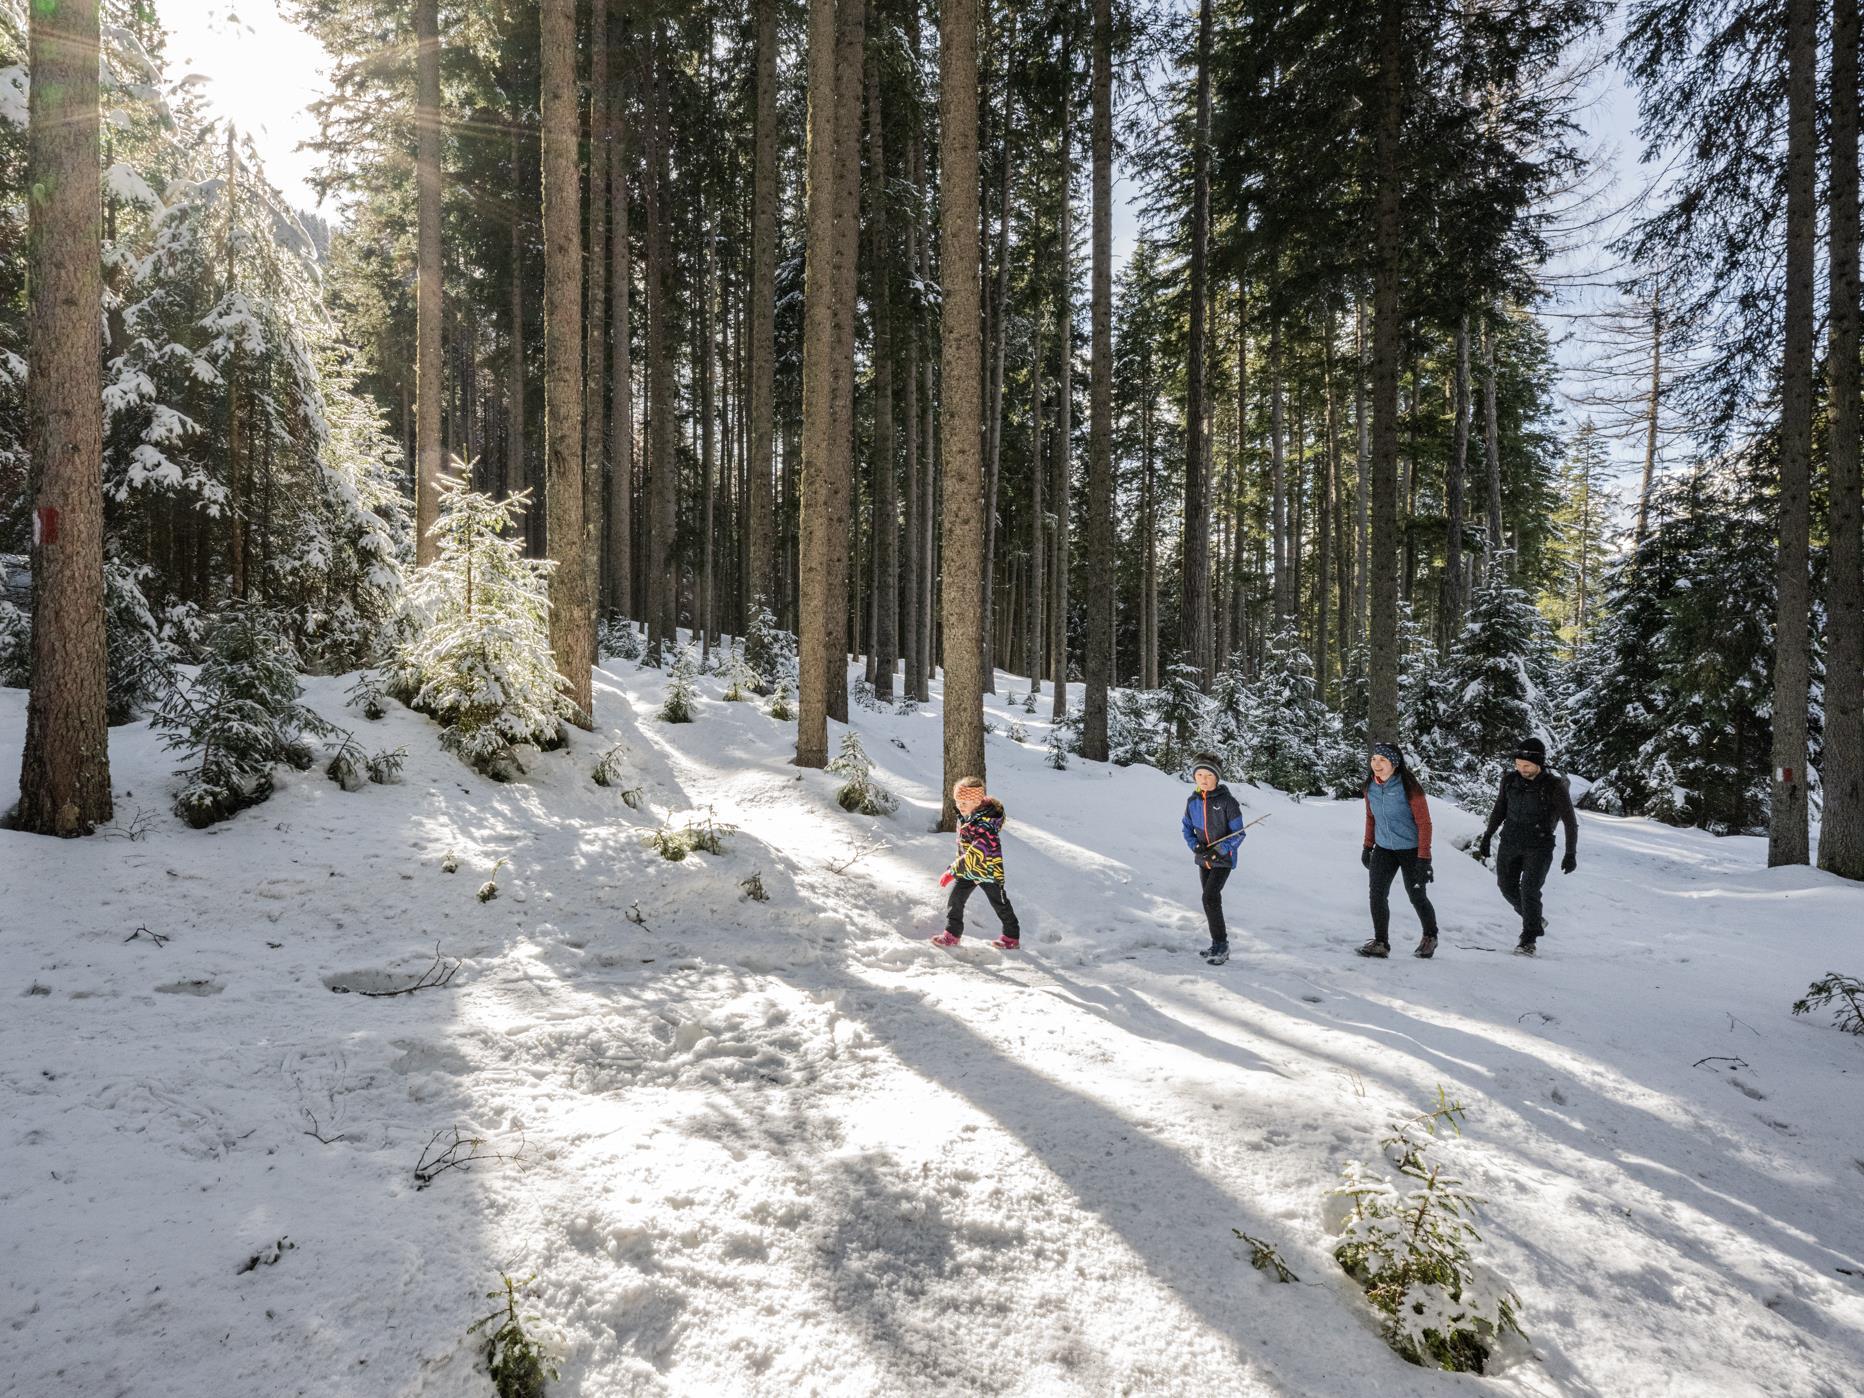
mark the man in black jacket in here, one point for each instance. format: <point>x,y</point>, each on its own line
<point>1530,801</point>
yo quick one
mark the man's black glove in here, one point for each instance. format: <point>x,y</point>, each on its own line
<point>1365,856</point>
<point>1570,863</point>
<point>1482,850</point>
<point>1423,871</point>
<point>1202,852</point>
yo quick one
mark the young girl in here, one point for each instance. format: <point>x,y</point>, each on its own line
<point>979,865</point>
<point>1397,840</point>
<point>1212,828</point>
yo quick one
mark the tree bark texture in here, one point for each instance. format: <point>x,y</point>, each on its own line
<point>1100,561</point>
<point>64,783</point>
<point>427,290</point>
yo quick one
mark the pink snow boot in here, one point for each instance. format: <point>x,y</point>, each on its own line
<point>1008,943</point>
<point>945,939</point>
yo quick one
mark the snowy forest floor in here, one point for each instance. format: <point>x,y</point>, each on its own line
<point>788,1147</point>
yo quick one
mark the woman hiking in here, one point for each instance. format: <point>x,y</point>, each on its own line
<point>1397,842</point>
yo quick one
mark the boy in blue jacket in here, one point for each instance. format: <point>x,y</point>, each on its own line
<point>1213,826</point>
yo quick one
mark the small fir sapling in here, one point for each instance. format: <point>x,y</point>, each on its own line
<point>754,887</point>
<point>15,647</point>
<point>1264,1257</point>
<point>480,659</point>
<point>346,767</point>
<point>450,863</point>
<point>780,708</point>
<point>369,695</point>
<point>1057,748</point>
<point>742,680</point>
<point>860,793</point>
<point>1846,993</point>
<point>769,651</point>
<point>489,889</point>
<point>1016,733</point>
<point>670,844</point>
<point>709,833</point>
<point>238,718</point>
<point>518,1363</point>
<point>682,699</point>
<point>1408,1247</point>
<point>139,668</point>
<point>385,767</point>
<point>1029,700</point>
<point>608,767</point>
<point>1129,728</point>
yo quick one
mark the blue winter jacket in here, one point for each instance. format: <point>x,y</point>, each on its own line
<point>1211,817</point>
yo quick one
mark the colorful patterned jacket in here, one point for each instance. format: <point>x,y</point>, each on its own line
<point>980,844</point>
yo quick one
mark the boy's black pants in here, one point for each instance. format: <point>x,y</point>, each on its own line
<point>1520,870</point>
<point>1213,881</point>
<point>1386,864</point>
<point>961,890</point>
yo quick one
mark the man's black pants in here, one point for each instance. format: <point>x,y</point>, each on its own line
<point>1520,870</point>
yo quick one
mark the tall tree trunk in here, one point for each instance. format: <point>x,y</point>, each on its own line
<point>1788,836</point>
<point>1459,471</point>
<point>571,615</point>
<point>516,477</point>
<point>1100,562</point>
<point>1651,401</point>
<point>1388,249</point>
<point>1064,412</point>
<point>661,573</point>
<point>1841,837</point>
<point>759,522</point>
<point>886,504</point>
<point>1195,610</point>
<point>620,552</point>
<point>1038,516</point>
<point>959,350</point>
<point>708,427</point>
<point>427,298</point>
<point>1491,432</point>
<point>1278,471</point>
<point>909,415</point>
<point>595,321</point>
<point>1362,471</point>
<point>827,431</point>
<point>993,450</point>
<point>1323,507</point>
<point>849,62</point>
<point>64,782</point>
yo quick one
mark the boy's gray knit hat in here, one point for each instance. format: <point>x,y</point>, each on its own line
<point>1207,761</point>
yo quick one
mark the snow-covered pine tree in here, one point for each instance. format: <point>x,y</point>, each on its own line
<point>1677,678</point>
<point>139,666</point>
<point>1227,730</point>
<point>478,659</point>
<point>769,651</point>
<point>1131,728</point>
<point>239,717</point>
<point>1492,691</point>
<point>859,793</point>
<point>1179,712</point>
<point>1294,739</point>
<point>682,701</point>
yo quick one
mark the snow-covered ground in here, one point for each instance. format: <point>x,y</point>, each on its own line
<point>787,1147</point>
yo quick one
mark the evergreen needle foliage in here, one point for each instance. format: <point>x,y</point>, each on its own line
<point>519,1364</point>
<point>1407,1242</point>
<point>1844,992</point>
<point>479,660</point>
<point>860,792</point>
<point>238,718</point>
<point>682,701</point>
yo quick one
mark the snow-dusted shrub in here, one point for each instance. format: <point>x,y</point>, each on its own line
<point>1057,751</point>
<point>706,834</point>
<point>15,647</point>
<point>369,695</point>
<point>385,767</point>
<point>1178,714</point>
<point>608,767</point>
<point>1029,699</point>
<point>1406,1241</point>
<point>617,639</point>
<point>139,669</point>
<point>754,887</point>
<point>517,1362</point>
<point>1844,992</point>
<point>479,657</point>
<point>682,701</point>
<point>860,793</point>
<point>1265,1257</point>
<point>239,717</point>
<point>741,681</point>
<point>1016,733</point>
<point>769,650</point>
<point>780,707</point>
